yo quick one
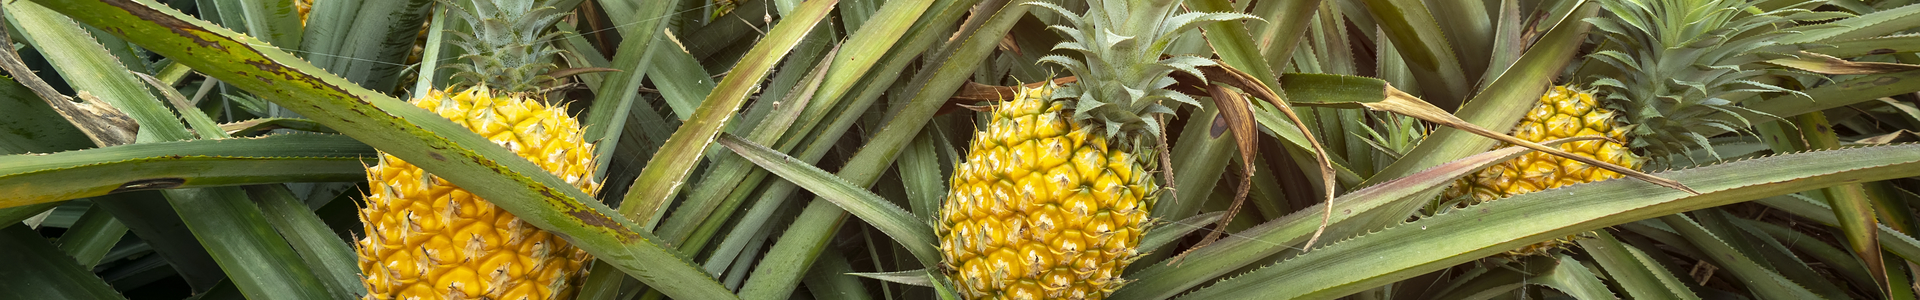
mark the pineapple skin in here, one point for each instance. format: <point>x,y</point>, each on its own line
<point>1562,112</point>
<point>1041,211</point>
<point>428,239</point>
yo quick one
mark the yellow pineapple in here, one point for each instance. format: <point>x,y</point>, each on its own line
<point>428,239</point>
<point>1562,112</point>
<point>1660,79</point>
<point>1052,198</point>
<point>1041,209</point>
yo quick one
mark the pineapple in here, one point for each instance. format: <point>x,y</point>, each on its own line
<point>1563,112</point>
<point>1678,64</point>
<point>305,7</point>
<point>1052,198</point>
<point>428,239</point>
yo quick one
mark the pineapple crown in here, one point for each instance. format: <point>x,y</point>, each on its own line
<point>1682,61</point>
<point>1122,76</point>
<point>508,43</point>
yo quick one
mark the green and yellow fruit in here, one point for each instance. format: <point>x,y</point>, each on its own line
<point>1041,209</point>
<point>428,239</point>
<point>1052,199</point>
<point>1562,112</point>
<point>1657,82</point>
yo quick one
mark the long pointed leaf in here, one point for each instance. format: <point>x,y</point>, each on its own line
<point>667,171</point>
<point>35,270</point>
<point>413,134</point>
<point>1251,245</point>
<point>1445,240</point>
<point>41,178</point>
<point>796,249</point>
<point>896,222</point>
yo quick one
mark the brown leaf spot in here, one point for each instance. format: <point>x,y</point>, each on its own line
<point>178,26</point>
<point>1219,126</point>
<point>1881,51</point>
<point>1886,80</point>
<point>150,184</point>
<point>437,156</point>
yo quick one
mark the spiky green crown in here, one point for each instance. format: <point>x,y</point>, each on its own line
<point>508,43</point>
<point>1122,77</point>
<point>1684,61</point>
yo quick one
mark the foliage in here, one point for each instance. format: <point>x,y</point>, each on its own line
<point>209,148</point>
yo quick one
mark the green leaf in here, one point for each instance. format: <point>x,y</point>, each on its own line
<point>407,132</point>
<point>91,236</point>
<point>29,125</point>
<point>38,271</point>
<point>1498,106</point>
<point>727,171</point>
<point>776,275</point>
<point>1868,46</point>
<point>828,280</point>
<point>930,29</point>
<point>1724,250</point>
<point>614,97</point>
<point>1165,234</point>
<point>1838,94</point>
<point>1445,240</point>
<point>897,223</point>
<point>1863,26</point>
<point>275,21</point>
<point>356,39</point>
<point>1375,94</point>
<point>1893,241</point>
<point>1265,240</point>
<point>920,277</point>
<point>921,174</point>
<point>667,171</point>
<point>254,257</point>
<point>1573,278</point>
<point>1426,49</point>
<point>1639,275</point>
<point>72,50</point>
<point>1858,221</point>
<point>431,54</point>
<point>41,178</point>
<point>324,252</point>
<point>151,218</point>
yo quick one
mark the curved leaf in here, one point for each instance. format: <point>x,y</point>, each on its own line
<point>402,130</point>
<point>1445,240</point>
<point>40,178</point>
<point>36,270</point>
<point>905,229</point>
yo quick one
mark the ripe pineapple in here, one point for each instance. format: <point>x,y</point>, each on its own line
<point>1563,112</point>
<point>1691,60</point>
<point>1052,198</point>
<point>429,239</point>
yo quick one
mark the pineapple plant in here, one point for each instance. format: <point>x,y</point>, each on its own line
<point>427,238</point>
<point>1664,79</point>
<point>82,220</point>
<point>1052,197</point>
